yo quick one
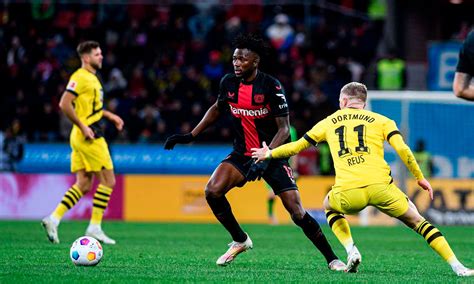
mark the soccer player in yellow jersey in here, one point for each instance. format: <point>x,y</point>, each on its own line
<point>82,103</point>
<point>356,138</point>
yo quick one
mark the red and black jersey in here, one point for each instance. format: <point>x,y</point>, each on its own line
<point>253,107</point>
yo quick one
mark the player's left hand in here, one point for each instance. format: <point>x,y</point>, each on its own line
<point>178,139</point>
<point>426,186</point>
<point>261,154</point>
<point>117,121</point>
<point>257,169</point>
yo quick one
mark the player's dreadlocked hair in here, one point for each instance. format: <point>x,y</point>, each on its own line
<point>252,42</point>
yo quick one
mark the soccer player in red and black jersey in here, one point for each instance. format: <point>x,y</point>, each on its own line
<point>257,104</point>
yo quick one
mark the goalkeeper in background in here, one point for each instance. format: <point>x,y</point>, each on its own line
<point>356,138</point>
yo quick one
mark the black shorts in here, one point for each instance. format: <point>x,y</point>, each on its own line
<point>278,175</point>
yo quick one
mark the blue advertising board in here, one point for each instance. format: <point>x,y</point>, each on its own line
<point>446,130</point>
<point>137,158</point>
<point>442,61</point>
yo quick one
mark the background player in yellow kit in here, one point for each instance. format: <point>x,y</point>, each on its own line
<point>82,103</point>
<point>356,137</point>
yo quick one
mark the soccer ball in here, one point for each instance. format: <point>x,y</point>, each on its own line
<point>86,251</point>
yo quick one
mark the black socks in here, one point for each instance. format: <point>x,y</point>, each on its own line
<point>313,231</point>
<point>221,209</point>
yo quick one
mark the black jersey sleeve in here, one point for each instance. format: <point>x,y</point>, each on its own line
<point>466,56</point>
<point>278,103</point>
<point>222,97</point>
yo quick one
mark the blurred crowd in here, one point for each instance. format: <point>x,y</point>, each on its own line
<point>163,63</point>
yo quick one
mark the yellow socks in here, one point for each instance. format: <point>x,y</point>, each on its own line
<point>101,200</point>
<point>341,229</point>
<point>436,241</point>
<point>71,197</point>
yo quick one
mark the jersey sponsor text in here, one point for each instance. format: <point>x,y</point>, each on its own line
<point>261,112</point>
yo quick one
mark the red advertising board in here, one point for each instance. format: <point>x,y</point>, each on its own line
<point>33,196</point>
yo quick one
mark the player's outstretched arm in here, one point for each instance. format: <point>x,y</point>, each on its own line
<point>462,86</point>
<point>65,104</point>
<point>409,160</point>
<point>283,151</point>
<point>209,118</point>
<point>115,119</point>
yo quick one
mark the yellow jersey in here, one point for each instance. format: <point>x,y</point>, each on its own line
<point>88,104</point>
<point>356,139</point>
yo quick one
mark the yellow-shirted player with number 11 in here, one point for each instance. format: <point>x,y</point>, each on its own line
<point>82,103</point>
<point>356,138</point>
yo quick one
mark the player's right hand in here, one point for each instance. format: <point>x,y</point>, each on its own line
<point>423,183</point>
<point>261,154</point>
<point>178,139</point>
<point>87,132</point>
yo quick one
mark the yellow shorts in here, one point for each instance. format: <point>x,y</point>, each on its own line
<point>388,198</point>
<point>91,155</point>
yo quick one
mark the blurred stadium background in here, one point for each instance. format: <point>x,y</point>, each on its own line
<point>163,61</point>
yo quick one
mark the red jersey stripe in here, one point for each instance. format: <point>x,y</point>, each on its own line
<point>248,123</point>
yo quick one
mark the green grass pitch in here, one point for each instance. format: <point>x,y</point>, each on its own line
<point>160,252</point>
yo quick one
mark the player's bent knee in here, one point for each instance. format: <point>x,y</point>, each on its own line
<point>411,219</point>
<point>109,183</point>
<point>212,192</point>
<point>297,216</point>
<point>214,189</point>
<point>84,187</point>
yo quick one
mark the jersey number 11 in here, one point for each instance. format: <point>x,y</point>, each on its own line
<point>344,150</point>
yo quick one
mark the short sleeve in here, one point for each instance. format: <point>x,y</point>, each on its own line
<point>317,133</point>
<point>75,85</point>
<point>389,129</point>
<point>277,100</point>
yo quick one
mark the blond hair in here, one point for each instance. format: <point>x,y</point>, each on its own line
<point>355,90</point>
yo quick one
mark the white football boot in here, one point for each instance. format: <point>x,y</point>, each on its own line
<point>97,233</point>
<point>235,248</point>
<point>51,228</point>
<point>337,265</point>
<point>353,260</point>
<point>464,272</point>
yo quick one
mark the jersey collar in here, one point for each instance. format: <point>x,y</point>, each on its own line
<point>251,82</point>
